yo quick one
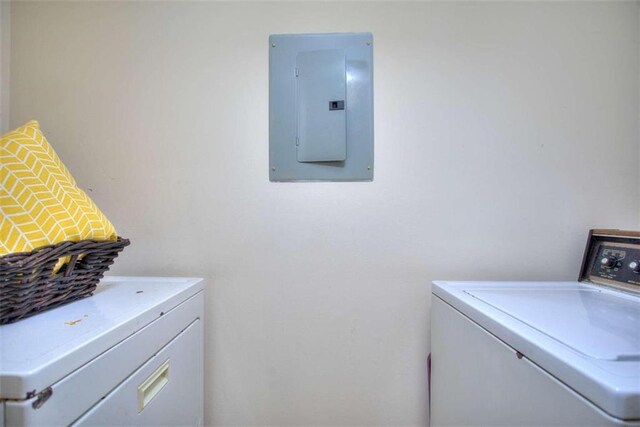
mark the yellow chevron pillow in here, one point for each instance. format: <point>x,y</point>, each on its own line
<point>40,202</point>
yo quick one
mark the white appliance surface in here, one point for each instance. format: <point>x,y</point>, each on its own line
<point>38,351</point>
<point>174,399</point>
<point>601,325</point>
<point>586,336</point>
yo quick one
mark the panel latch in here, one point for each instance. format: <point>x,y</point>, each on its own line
<point>336,105</point>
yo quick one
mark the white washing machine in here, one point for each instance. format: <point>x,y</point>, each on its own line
<point>132,354</point>
<point>542,353</point>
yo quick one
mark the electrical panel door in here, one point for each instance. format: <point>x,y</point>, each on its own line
<point>320,95</point>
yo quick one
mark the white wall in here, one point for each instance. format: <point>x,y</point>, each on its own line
<point>503,133</point>
<point>5,48</point>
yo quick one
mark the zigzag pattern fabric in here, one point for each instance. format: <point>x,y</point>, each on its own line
<point>40,202</point>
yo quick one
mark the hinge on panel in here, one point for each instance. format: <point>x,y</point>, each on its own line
<point>297,72</point>
<point>297,141</point>
<point>42,397</point>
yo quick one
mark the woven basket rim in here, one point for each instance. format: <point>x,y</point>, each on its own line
<point>66,243</point>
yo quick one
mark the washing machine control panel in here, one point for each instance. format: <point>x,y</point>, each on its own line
<point>618,263</point>
<point>612,257</point>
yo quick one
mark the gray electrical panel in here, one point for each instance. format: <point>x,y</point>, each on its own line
<point>321,107</point>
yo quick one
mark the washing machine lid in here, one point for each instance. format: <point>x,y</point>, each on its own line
<point>601,325</point>
<point>586,336</point>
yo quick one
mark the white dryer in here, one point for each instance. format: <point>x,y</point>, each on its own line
<point>132,354</point>
<point>542,353</point>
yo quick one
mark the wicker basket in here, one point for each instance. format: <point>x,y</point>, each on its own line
<point>28,284</point>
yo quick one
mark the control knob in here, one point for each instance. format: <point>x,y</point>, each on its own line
<point>608,261</point>
<point>635,266</point>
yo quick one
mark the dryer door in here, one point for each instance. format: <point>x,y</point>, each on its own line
<point>166,390</point>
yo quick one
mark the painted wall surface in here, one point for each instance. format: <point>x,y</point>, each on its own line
<point>503,132</point>
<point>5,47</point>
